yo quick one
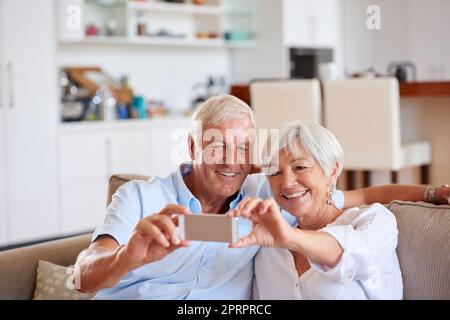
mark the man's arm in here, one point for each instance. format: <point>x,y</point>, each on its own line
<point>388,193</point>
<point>100,266</point>
<point>104,263</point>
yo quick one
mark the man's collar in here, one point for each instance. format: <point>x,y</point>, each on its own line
<point>185,196</point>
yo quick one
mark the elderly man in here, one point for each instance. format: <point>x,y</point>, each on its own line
<point>137,254</point>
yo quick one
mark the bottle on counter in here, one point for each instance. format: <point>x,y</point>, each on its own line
<point>122,111</point>
<point>107,105</point>
<point>141,24</point>
<point>139,108</point>
<point>92,109</point>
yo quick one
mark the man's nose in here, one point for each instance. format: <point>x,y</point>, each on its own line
<point>234,156</point>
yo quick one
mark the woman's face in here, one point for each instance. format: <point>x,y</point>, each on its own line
<point>299,185</point>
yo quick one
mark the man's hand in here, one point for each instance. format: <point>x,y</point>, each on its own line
<point>104,263</point>
<point>270,229</point>
<point>155,237</point>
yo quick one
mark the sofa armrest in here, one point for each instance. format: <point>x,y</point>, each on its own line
<point>18,266</point>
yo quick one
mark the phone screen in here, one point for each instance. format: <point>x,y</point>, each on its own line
<point>208,227</point>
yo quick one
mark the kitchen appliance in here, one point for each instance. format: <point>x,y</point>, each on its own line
<point>399,69</point>
<point>305,62</point>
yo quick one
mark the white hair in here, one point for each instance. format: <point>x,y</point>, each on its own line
<point>320,143</point>
<point>217,110</point>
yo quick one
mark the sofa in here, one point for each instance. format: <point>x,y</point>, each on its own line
<point>423,251</point>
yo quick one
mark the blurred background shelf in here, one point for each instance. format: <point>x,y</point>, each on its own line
<point>174,121</point>
<point>181,8</point>
<point>215,23</point>
<point>150,41</point>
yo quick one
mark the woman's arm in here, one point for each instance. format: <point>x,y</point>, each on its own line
<point>270,229</point>
<point>319,247</point>
<point>388,193</point>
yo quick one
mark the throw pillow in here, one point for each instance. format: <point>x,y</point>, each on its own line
<point>52,283</point>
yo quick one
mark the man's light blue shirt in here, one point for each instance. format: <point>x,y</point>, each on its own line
<point>204,270</point>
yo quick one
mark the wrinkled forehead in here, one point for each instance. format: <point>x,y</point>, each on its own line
<point>291,151</point>
<point>234,130</point>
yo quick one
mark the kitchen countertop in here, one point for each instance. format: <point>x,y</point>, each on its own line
<point>181,121</point>
<point>407,89</point>
<point>425,89</point>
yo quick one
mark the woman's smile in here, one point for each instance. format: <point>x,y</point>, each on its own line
<point>295,195</point>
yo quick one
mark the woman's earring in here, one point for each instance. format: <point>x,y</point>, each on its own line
<point>329,201</point>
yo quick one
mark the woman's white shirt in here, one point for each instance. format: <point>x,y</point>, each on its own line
<point>368,269</point>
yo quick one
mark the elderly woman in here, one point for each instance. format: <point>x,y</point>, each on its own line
<point>329,253</point>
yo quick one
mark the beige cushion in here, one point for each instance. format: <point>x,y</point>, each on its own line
<point>423,249</point>
<point>117,180</point>
<point>18,266</point>
<point>53,282</point>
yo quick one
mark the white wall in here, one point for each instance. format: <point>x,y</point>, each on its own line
<point>415,30</point>
<point>289,23</point>
<point>156,72</point>
<point>267,58</point>
<point>428,42</point>
<point>314,24</point>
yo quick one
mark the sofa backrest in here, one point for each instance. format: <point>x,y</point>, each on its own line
<point>423,249</point>
<point>423,244</point>
<point>118,180</point>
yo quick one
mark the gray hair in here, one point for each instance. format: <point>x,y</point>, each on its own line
<point>320,143</point>
<point>217,110</point>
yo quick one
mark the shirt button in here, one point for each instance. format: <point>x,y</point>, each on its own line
<point>296,284</point>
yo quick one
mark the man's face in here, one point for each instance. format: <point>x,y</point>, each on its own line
<point>225,157</point>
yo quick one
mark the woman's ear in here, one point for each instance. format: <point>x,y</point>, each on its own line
<point>333,176</point>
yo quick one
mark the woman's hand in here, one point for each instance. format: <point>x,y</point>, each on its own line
<point>270,229</point>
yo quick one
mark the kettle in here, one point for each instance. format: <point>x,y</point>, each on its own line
<point>399,70</point>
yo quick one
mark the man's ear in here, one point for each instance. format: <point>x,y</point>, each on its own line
<point>191,146</point>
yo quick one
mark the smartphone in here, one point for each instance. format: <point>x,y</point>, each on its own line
<point>208,227</point>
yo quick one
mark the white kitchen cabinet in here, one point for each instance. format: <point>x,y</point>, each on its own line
<point>91,152</point>
<point>85,170</point>
<point>3,207</point>
<point>311,23</point>
<point>29,120</point>
<point>128,151</point>
<point>83,156</point>
<point>83,205</point>
<point>168,147</point>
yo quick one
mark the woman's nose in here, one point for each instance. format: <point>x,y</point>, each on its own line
<point>289,178</point>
